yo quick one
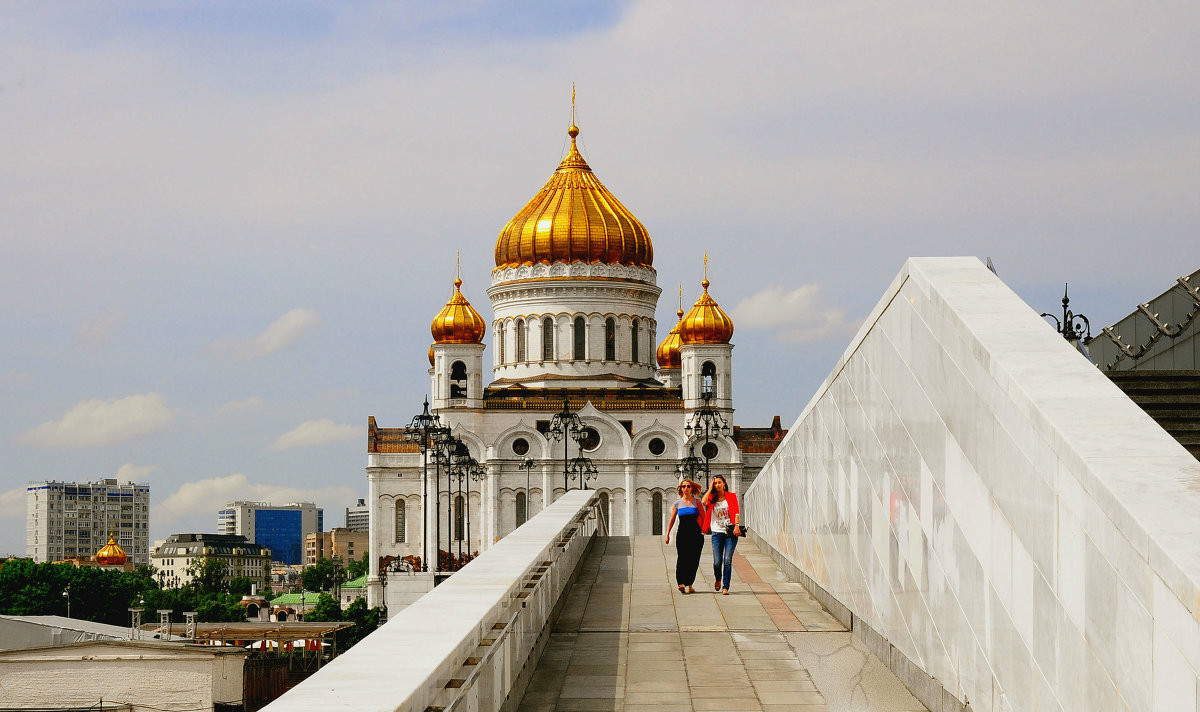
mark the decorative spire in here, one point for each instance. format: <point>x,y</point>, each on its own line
<point>679,314</point>
<point>705,282</point>
<point>457,269</point>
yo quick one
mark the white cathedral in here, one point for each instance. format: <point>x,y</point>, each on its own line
<point>573,301</point>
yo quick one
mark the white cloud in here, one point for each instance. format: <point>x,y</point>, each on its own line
<point>280,334</point>
<point>204,497</point>
<point>13,503</point>
<point>796,316</point>
<point>96,331</point>
<point>317,432</point>
<point>130,472</point>
<point>95,422</point>
<point>243,404</point>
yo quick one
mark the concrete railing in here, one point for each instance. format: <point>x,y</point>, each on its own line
<point>991,514</point>
<point>472,642</point>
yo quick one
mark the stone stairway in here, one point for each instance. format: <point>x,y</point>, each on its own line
<point>1172,398</point>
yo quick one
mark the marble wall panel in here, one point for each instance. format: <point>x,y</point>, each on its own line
<point>979,496</point>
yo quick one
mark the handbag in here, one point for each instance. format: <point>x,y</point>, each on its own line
<point>729,530</point>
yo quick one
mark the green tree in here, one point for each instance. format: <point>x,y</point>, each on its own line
<point>326,609</point>
<point>239,586</point>
<point>365,620</point>
<point>358,567</point>
<point>321,576</point>
<point>209,575</point>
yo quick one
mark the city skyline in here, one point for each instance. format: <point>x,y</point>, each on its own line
<point>220,221</point>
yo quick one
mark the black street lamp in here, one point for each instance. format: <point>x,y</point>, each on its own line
<point>708,420</point>
<point>690,465</point>
<point>1072,326</point>
<point>582,468</point>
<point>422,430</point>
<point>465,469</point>
<point>563,426</point>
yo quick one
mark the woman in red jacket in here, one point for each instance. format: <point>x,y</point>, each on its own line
<point>725,522</point>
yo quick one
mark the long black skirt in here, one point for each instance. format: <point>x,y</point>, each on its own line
<point>689,542</point>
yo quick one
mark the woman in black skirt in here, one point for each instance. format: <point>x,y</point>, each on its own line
<point>689,541</point>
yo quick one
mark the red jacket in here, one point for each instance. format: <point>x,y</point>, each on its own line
<point>707,508</point>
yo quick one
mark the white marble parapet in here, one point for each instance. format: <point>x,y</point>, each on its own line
<point>988,504</point>
<point>462,645</point>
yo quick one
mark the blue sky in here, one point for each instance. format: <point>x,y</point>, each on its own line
<point>227,225</point>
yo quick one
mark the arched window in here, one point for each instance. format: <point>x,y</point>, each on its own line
<point>500,342</point>
<point>610,339</point>
<point>633,340</point>
<point>604,509</point>
<point>458,380</point>
<point>520,341</point>
<point>459,518</point>
<point>580,339</point>
<point>401,530</point>
<point>707,373</point>
<point>547,339</point>
<point>522,507</point>
<point>656,513</point>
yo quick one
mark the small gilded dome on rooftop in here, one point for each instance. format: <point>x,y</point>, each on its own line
<point>668,351</point>
<point>111,554</point>
<point>706,323</point>
<point>458,322</point>
<point>574,218</point>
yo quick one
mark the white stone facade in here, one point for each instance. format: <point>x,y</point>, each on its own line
<point>979,495</point>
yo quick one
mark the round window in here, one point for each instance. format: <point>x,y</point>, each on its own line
<point>657,446</point>
<point>589,439</point>
<point>520,446</point>
<point>710,451</point>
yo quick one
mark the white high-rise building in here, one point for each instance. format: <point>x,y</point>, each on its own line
<point>358,517</point>
<point>280,528</point>
<point>70,520</point>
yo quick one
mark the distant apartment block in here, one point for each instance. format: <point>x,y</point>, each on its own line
<point>358,517</point>
<point>340,543</point>
<point>181,554</point>
<point>280,528</point>
<point>72,520</point>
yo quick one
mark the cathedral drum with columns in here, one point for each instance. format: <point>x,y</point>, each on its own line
<point>573,338</point>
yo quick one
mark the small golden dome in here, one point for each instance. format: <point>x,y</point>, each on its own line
<point>668,351</point>
<point>457,322</point>
<point>706,323</point>
<point>110,554</point>
<point>574,218</point>
<point>431,354</point>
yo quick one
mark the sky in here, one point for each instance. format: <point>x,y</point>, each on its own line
<point>225,227</point>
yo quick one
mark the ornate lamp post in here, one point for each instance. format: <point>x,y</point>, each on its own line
<point>527,465</point>
<point>1072,326</point>
<point>67,595</point>
<point>465,469</point>
<point>421,430</point>
<point>563,426</point>
<point>690,465</point>
<point>707,420</point>
<point>582,468</point>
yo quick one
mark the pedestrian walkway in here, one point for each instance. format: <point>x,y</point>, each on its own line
<point>627,641</point>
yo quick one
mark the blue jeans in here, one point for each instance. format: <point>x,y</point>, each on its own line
<point>723,546</point>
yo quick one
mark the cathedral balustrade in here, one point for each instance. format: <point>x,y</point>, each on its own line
<point>473,641</point>
<point>987,511</point>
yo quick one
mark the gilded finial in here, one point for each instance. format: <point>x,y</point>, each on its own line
<point>457,269</point>
<point>705,282</point>
<point>679,314</point>
<point>573,130</point>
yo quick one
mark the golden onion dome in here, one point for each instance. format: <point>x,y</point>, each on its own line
<point>457,322</point>
<point>574,218</point>
<point>706,323</point>
<point>111,554</point>
<point>668,351</point>
<point>431,354</point>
